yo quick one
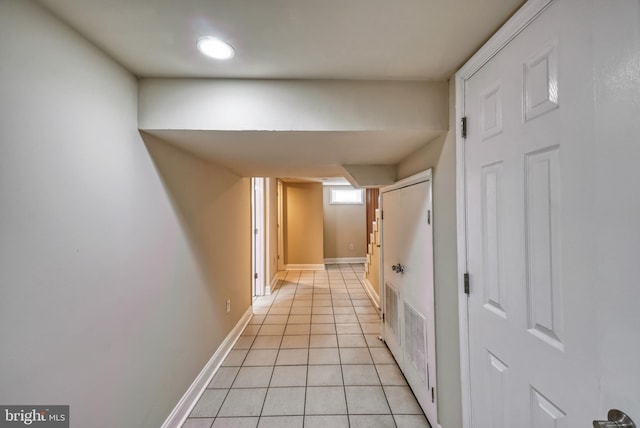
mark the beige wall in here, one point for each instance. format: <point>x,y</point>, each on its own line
<point>114,268</point>
<point>303,223</point>
<point>440,155</point>
<point>344,225</point>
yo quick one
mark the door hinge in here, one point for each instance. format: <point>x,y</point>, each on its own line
<point>433,395</point>
<point>463,127</point>
<point>255,231</point>
<point>383,317</point>
<point>466,283</point>
<point>429,217</point>
<point>381,215</point>
<point>256,276</point>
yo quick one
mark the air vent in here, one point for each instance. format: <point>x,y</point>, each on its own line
<point>415,338</point>
<point>391,312</point>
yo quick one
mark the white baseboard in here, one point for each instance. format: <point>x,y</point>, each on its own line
<point>345,260</point>
<point>190,398</point>
<point>372,293</point>
<point>319,266</point>
<point>272,286</point>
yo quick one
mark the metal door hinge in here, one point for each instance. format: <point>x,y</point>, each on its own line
<point>466,283</point>
<point>383,317</point>
<point>429,217</point>
<point>463,127</point>
<point>433,395</point>
<point>381,215</point>
<point>256,276</point>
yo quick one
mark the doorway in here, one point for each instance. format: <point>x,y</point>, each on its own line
<point>258,246</point>
<point>408,292</point>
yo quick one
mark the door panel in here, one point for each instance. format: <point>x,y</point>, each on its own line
<point>409,327</point>
<point>531,317</point>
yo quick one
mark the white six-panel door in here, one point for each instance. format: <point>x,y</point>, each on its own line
<point>532,318</point>
<point>551,220</point>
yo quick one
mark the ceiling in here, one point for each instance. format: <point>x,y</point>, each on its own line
<point>290,39</point>
<point>425,40</point>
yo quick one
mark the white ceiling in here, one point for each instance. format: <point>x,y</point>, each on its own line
<point>290,39</point>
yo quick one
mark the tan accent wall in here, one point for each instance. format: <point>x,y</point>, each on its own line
<point>303,223</point>
<point>440,154</point>
<point>344,226</point>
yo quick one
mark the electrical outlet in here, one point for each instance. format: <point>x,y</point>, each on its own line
<point>228,305</point>
<point>351,246</point>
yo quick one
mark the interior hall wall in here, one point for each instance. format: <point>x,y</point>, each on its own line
<point>115,265</point>
<point>440,154</point>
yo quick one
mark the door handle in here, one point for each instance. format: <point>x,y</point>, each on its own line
<point>617,419</point>
<point>397,268</point>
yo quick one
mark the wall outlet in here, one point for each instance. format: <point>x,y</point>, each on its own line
<point>228,305</point>
<point>351,246</point>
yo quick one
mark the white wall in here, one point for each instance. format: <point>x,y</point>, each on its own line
<point>616,201</point>
<point>107,301</point>
<point>440,154</point>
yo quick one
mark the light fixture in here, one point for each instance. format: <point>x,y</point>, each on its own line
<point>215,48</point>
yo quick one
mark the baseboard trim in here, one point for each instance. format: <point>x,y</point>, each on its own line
<point>319,266</point>
<point>191,397</point>
<point>272,286</point>
<point>372,293</point>
<point>345,260</point>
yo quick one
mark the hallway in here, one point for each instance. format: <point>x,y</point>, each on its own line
<point>310,357</point>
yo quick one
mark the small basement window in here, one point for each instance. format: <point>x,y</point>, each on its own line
<point>346,196</point>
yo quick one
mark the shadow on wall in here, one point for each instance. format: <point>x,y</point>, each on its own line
<point>428,156</point>
<point>213,207</point>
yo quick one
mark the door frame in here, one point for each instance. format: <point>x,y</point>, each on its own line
<point>280,192</point>
<point>258,241</point>
<point>516,24</point>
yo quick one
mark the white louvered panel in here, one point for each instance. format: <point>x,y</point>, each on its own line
<point>416,340</point>
<point>391,316</point>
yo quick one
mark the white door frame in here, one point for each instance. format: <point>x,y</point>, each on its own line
<point>518,22</point>
<point>258,236</point>
<point>280,261</point>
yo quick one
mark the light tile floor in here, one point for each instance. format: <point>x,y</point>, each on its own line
<point>310,357</point>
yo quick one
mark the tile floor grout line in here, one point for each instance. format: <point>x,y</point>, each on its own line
<point>317,287</point>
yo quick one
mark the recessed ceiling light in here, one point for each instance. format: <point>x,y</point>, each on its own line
<point>215,48</point>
